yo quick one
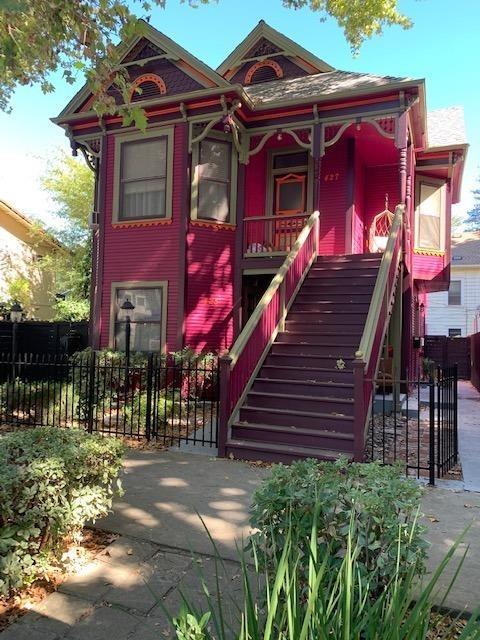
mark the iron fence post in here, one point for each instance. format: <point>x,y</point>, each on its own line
<point>148,417</point>
<point>455,412</point>
<point>225,371</point>
<point>91,391</point>
<point>431,442</point>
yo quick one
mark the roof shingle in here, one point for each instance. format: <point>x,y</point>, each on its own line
<point>446,127</point>
<point>466,249</point>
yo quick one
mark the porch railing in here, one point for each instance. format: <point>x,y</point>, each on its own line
<point>367,357</point>
<point>267,235</point>
<point>240,366</point>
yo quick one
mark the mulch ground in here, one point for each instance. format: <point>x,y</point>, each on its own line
<point>75,556</point>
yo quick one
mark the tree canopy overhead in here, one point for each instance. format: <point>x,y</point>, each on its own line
<point>38,37</point>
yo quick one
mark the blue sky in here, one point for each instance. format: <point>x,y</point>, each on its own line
<point>443,47</point>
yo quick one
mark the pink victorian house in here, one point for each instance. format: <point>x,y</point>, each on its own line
<point>280,211</point>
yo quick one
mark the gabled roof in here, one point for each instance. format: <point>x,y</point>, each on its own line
<point>466,249</point>
<point>320,84</point>
<point>21,218</point>
<point>446,128</point>
<point>166,44</point>
<point>263,30</point>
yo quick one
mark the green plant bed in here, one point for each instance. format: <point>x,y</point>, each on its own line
<point>52,481</point>
<point>381,501</point>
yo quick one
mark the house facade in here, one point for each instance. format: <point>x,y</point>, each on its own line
<point>22,247</point>
<point>456,312</point>
<point>238,167</point>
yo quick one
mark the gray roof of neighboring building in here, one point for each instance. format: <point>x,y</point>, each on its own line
<point>446,127</point>
<point>327,83</point>
<point>466,249</point>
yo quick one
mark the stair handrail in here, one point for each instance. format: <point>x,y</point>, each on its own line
<point>388,266</point>
<point>228,403</point>
<point>367,358</point>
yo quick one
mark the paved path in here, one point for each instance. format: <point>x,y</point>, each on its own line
<point>469,434</point>
<point>117,596</point>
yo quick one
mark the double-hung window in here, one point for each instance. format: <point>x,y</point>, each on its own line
<point>214,176</point>
<point>147,319</point>
<point>430,220</point>
<point>143,176</point>
<point>455,293</point>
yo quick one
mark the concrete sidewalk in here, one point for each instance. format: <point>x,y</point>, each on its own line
<point>469,434</point>
<point>158,519</point>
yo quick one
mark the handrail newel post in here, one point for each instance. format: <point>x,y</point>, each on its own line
<point>224,404</point>
<point>360,410</point>
<point>283,307</point>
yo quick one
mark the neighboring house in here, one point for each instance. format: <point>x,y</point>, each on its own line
<point>456,312</point>
<point>194,217</point>
<point>22,246</point>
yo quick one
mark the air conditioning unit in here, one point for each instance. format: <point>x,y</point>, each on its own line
<point>93,220</point>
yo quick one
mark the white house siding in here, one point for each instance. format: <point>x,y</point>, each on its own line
<point>441,316</point>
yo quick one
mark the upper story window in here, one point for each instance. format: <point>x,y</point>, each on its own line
<point>455,292</point>
<point>143,176</point>
<point>214,178</point>
<point>430,218</point>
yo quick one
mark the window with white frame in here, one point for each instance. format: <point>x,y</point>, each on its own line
<point>454,333</point>
<point>143,176</point>
<point>213,177</point>
<point>455,293</point>
<point>430,216</point>
<point>147,319</point>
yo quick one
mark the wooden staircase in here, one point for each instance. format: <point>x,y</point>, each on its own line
<point>301,402</point>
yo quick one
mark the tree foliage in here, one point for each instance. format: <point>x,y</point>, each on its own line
<point>473,216</point>
<point>80,37</point>
<point>70,184</point>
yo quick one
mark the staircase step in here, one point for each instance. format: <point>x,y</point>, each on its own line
<point>308,373</point>
<point>330,305</point>
<point>326,288</point>
<point>316,404</point>
<point>290,418</point>
<point>318,323</point>
<point>269,452</point>
<point>302,360</point>
<point>316,340</point>
<point>323,333</point>
<point>334,298</point>
<point>304,347</point>
<point>351,257</point>
<point>340,277</point>
<point>303,387</point>
<point>278,434</point>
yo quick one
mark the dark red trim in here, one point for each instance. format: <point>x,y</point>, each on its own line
<point>185,187</point>
<point>237,285</point>
<point>98,250</point>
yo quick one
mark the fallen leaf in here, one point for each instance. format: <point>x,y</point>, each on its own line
<point>433,519</point>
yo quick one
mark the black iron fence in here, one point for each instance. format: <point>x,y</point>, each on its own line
<point>169,398</point>
<point>414,422</point>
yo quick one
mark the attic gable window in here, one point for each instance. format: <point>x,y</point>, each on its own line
<point>143,176</point>
<point>263,71</point>
<point>430,218</point>
<point>146,87</point>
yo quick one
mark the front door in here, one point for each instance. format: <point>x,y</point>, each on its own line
<point>290,171</point>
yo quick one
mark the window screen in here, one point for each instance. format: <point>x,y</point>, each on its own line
<point>145,319</point>
<point>429,211</point>
<point>213,172</point>
<point>455,292</point>
<point>143,179</point>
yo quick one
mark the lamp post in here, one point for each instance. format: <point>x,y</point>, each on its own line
<point>127,307</point>
<point>15,317</point>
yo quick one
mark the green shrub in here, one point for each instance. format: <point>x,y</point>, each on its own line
<point>52,481</point>
<point>379,499</point>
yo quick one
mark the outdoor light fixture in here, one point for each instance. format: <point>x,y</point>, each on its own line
<point>16,312</point>
<point>127,306</point>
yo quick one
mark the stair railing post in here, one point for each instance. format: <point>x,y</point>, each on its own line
<point>224,408</point>
<point>359,408</point>
<point>283,306</point>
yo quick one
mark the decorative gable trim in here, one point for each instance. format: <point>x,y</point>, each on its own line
<point>257,42</point>
<point>130,53</point>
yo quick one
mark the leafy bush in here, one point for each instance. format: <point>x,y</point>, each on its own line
<point>51,482</point>
<point>381,502</point>
<point>338,604</point>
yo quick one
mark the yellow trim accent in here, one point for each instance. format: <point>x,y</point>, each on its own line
<point>216,226</point>
<point>429,252</point>
<point>151,222</point>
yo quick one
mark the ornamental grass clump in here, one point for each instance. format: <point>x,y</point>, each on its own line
<point>52,482</point>
<point>380,502</point>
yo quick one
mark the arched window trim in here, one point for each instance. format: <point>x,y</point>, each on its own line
<point>148,77</point>
<point>259,65</point>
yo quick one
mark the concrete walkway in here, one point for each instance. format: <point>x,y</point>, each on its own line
<point>158,519</point>
<point>469,434</point>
